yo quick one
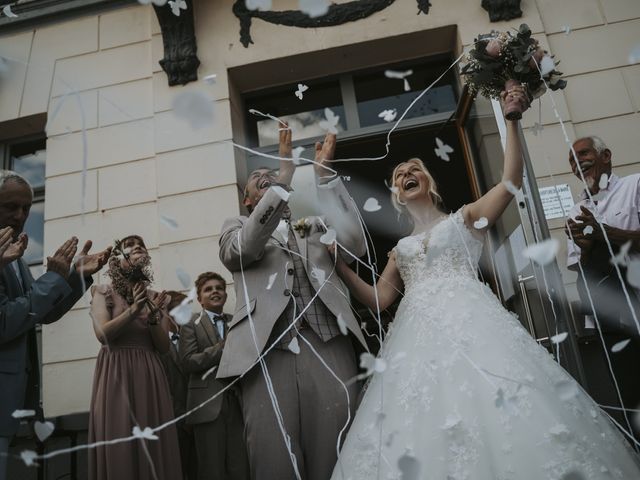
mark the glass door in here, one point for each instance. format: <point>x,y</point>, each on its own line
<point>535,293</point>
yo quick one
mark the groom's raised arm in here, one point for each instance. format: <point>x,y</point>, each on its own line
<point>336,204</point>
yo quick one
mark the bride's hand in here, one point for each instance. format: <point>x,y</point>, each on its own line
<point>517,93</point>
<point>332,249</point>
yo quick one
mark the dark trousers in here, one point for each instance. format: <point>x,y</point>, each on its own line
<point>313,405</point>
<point>222,453</point>
<point>188,456</point>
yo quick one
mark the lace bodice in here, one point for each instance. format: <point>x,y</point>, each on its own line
<point>449,250</point>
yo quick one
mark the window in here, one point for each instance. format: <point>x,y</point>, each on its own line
<point>27,157</point>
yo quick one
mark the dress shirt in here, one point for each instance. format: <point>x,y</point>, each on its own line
<point>218,322</point>
<point>16,270</point>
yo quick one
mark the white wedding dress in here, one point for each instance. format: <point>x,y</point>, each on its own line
<point>466,392</point>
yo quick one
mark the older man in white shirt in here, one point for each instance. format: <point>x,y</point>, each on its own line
<point>615,201</point>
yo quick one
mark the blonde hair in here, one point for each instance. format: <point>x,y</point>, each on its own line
<point>433,187</point>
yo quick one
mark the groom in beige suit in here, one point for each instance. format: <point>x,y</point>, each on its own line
<point>284,305</point>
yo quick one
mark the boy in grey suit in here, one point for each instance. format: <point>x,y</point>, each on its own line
<point>25,303</point>
<point>278,270</point>
<point>218,425</point>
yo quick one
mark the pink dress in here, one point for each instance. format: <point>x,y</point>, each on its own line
<point>130,388</point>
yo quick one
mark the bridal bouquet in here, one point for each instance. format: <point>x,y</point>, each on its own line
<point>502,60</point>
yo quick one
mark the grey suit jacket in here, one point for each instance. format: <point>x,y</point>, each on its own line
<point>251,245</point>
<point>44,300</point>
<point>200,349</point>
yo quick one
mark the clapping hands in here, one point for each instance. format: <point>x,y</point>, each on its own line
<point>10,249</point>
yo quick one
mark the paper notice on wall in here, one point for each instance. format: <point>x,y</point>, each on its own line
<point>556,201</point>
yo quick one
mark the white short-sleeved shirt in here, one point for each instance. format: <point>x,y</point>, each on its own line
<point>619,208</point>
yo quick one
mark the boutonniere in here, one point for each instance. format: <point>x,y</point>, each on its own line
<point>302,226</point>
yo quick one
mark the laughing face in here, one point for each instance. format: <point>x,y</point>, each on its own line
<point>259,181</point>
<point>592,163</point>
<point>135,248</point>
<point>411,182</point>
<point>212,295</point>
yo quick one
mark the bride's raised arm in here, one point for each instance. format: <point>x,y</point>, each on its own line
<point>495,201</point>
<point>388,287</point>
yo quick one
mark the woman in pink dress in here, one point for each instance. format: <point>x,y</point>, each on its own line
<point>130,387</point>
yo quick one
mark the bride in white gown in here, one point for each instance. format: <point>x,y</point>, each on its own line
<point>466,392</point>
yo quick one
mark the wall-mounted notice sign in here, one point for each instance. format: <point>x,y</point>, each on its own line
<point>555,199</point>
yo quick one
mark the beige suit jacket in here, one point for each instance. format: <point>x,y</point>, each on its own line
<point>252,249</point>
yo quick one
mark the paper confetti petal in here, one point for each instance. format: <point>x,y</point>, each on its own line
<point>147,433</point>
<point>176,6</point>
<point>210,79</point>
<point>28,457</point>
<point>481,223</point>
<point>388,115</point>
<point>314,8</point>
<point>43,430</point>
<point>543,253</point>
<point>329,237</point>
<point>588,230</point>
<point>8,13</point>
<point>185,279</point>
<point>559,338</point>
<point>342,325</point>
<point>193,107</point>
<point>634,55</point>
<point>318,274</point>
<point>182,313</point>
<point>272,278</point>
<point>169,222</point>
<point>546,65</point>
<point>23,413</point>
<point>371,205</point>
<point>294,346</point>
<point>296,155</point>
<point>262,5</point>
<point>300,91</point>
<point>633,272</point>
<point>620,345</point>
<point>442,150</point>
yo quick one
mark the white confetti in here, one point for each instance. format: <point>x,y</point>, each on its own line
<point>566,29</point>
<point>169,222</point>
<point>315,8</point>
<point>193,107</point>
<point>409,467</point>
<point>272,278</point>
<point>588,230</point>
<point>371,205</point>
<point>262,5</point>
<point>481,223</point>
<point>442,150</point>
<point>43,430</point>
<point>536,129</point>
<point>8,13</point>
<point>372,364</point>
<point>159,3</point>
<point>147,433</point>
<point>546,65</point>
<point>294,346</point>
<point>634,55</point>
<point>318,274</point>
<point>210,79</point>
<point>23,413</point>
<point>400,76</point>
<point>296,152</point>
<point>633,272</point>
<point>330,122</point>
<point>4,66</point>
<point>604,181</point>
<point>342,325</point>
<point>184,277</point>
<point>543,253</point>
<point>559,338</point>
<point>182,313</point>
<point>388,115</point>
<point>620,345</point>
<point>300,91</point>
<point>176,6</point>
<point>29,457</point>
<point>329,237</point>
<point>621,257</point>
<point>511,188</point>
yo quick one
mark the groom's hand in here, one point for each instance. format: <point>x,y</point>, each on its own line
<point>287,167</point>
<point>325,152</point>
